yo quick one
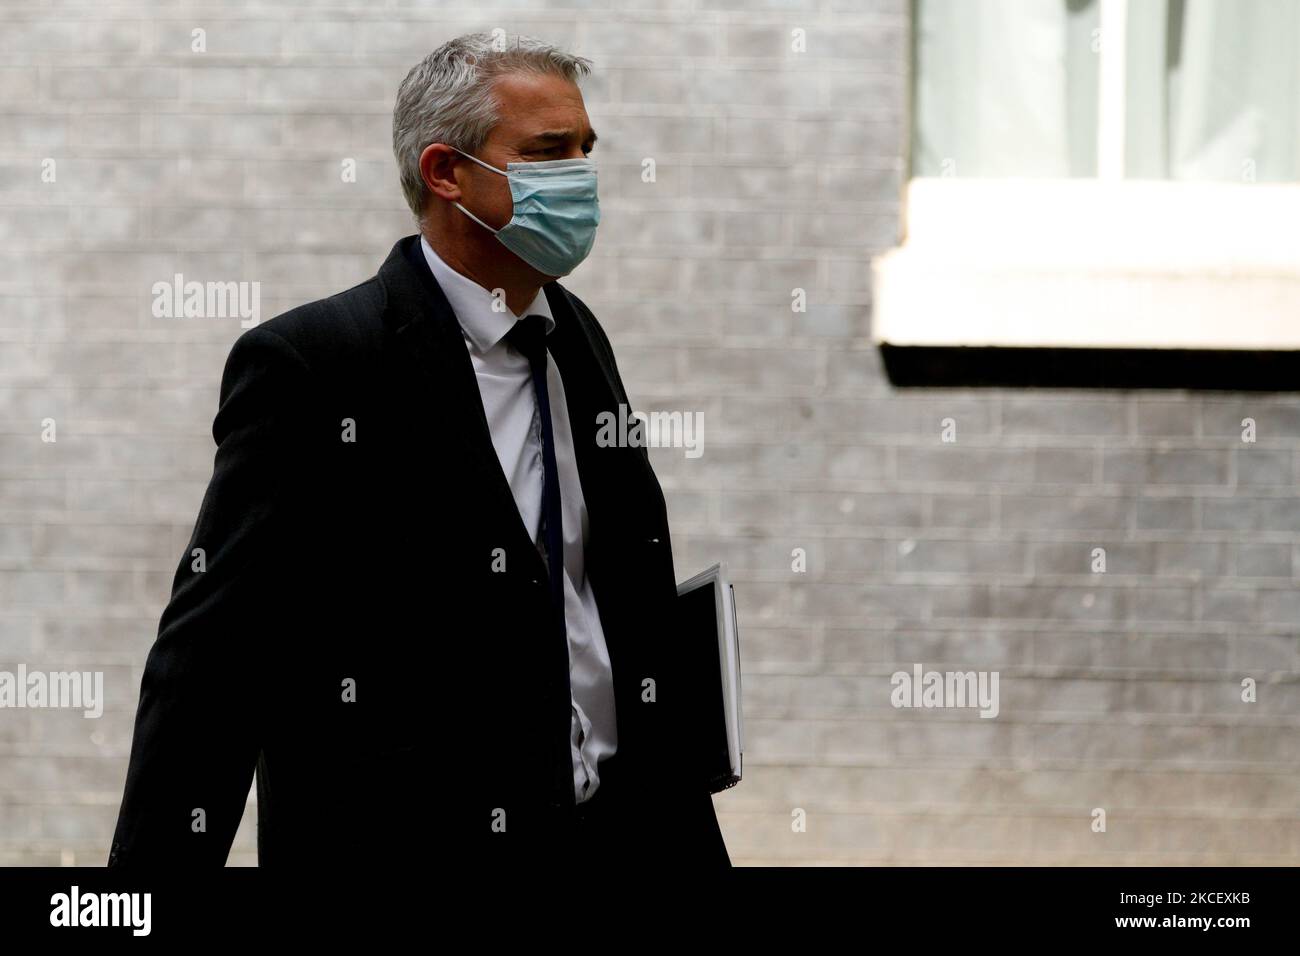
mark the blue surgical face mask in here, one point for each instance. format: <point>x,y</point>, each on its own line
<point>555,212</point>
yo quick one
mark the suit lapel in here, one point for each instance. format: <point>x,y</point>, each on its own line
<point>611,477</point>
<point>438,362</point>
<point>582,391</point>
<point>607,474</point>
<point>434,351</point>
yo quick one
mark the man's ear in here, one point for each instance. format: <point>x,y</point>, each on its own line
<point>438,170</point>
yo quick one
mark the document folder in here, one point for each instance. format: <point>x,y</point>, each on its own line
<point>706,606</point>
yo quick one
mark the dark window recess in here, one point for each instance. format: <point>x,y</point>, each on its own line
<point>976,366</point>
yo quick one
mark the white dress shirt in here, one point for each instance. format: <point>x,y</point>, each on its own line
<point>505,383</point>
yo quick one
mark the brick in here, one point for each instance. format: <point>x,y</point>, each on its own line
<point>950,511</point>
<point>956,462</point>
<point>1060,603</point>
<point>1071,466</point>
<point>1165,466</point>
<point>962,557</point>
<point>1256,466</point>
<point>964,649</point>
<point>1076,557</point>
<point>1056,417</point>
<point>1274,418</point>
<point>1263,560</point>
<point>1161,514</point>
<point>1065,512</point>
<point>125,83</point>
<point>1196,558</point>
<point>1161,418</point>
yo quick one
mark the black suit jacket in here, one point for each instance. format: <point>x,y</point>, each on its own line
<point>351,636</point>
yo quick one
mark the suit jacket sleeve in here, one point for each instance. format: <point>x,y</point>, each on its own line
<point>196,740</point>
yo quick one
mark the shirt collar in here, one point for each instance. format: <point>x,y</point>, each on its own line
<point>473,304</point>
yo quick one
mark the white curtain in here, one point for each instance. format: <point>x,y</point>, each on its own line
<point>1009,88</point>
<point>1214,90</point>
<point>1005,88</point>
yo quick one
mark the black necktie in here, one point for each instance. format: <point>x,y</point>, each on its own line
<point>529,336</point>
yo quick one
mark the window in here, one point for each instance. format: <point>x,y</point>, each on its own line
<point>1115,174</point>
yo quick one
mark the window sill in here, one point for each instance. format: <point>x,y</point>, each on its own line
<point>1072,264</point>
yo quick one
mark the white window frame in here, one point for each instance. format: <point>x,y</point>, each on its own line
<point>1093,263</point>
<point>1112,104</point>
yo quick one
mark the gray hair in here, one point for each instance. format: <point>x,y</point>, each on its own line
<point>447,97</point>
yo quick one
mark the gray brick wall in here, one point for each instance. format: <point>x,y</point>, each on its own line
<point>775,171</point>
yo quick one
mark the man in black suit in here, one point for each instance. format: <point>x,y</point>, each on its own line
<point>423,601</point>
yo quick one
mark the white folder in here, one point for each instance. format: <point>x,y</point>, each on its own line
<point>707,604</point>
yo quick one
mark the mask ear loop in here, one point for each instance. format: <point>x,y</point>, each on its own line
<point>462,208</point>
<point>477,219</point>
